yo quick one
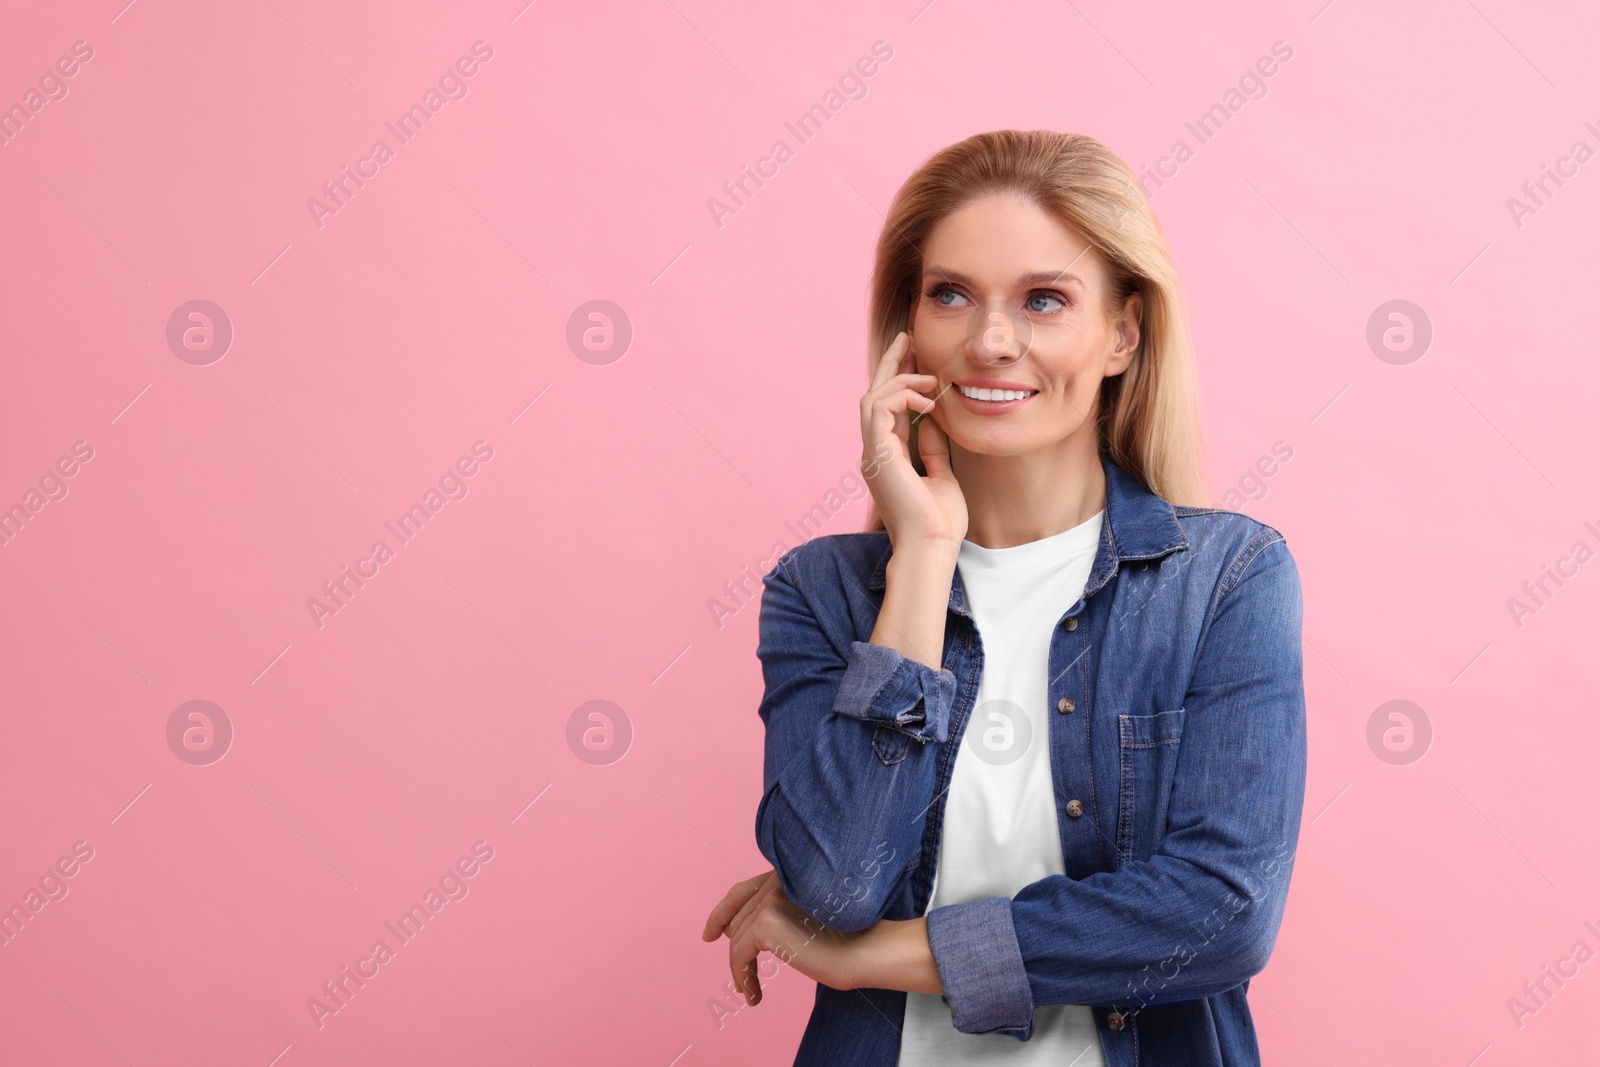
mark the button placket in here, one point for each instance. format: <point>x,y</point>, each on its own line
<point>1072,765</point>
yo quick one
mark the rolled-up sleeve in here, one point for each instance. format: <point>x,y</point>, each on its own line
<point>1201,914</point>
<point>981,968</point>
<point>883,685</point>
<point>852,732</point>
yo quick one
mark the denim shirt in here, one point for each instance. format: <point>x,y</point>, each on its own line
<point>1178,756</point>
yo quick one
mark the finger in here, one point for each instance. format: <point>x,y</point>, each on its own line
<point>935,449</point>
<point>737,899</point>
<point>890,358</point>
<point>902,426</point>
<point>721,915</point>
<point>891,421</point>
<point>731,904</point>
<point>752,909</point>
<point>753,981</point>
<point>891,412</point>
<point>742,954</point>
<point>903,380</point>
<point>920,383</point>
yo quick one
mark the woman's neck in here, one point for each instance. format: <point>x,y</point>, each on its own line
<point>1012,500</point>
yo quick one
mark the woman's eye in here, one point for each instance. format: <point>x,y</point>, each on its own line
<point>1040,303</point>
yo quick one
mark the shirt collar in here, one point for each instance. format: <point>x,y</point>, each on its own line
<point>1138,525</point>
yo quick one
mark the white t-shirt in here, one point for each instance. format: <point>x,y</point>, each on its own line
<point>1000,825</point>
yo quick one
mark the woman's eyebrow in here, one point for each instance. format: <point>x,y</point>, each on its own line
<point>1046,277</point>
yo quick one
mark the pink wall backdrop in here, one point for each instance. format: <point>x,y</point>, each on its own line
<point>231,369</point>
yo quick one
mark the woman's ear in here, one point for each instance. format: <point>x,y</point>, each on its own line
<point>1125,335</point>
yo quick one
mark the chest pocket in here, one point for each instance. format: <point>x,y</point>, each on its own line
<point>1149,749</point>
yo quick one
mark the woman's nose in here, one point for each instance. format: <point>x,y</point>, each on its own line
<point>997,334</point>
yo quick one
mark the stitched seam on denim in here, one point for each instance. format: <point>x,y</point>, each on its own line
<point>883,756</point>
<point>788,560</point>
<point>1089,654</point>
<point>892,723</point>
<point>1261,544</point>
<point>1158,554</point>
<point>1241,563</point>
<point>916,731</point>
<point>924,731</point>
<point>888,724</point>
<point>883,562</point>
<point>1125,815</point>
<point>1236,566</point>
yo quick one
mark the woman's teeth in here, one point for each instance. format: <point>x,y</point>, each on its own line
<point>996,394</point>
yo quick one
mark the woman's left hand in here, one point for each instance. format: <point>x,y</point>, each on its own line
<point>758,917</point>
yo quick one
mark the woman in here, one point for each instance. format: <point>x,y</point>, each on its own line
<point>1035,750</point>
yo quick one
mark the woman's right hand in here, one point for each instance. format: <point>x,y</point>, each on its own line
<point>916,510</point>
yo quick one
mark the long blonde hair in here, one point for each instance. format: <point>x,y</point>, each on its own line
<point>1148,418</point>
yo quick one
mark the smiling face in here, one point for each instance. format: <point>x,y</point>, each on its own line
<point>1011,318</point>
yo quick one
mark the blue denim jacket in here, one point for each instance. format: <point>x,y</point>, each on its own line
<point>1178,754</point>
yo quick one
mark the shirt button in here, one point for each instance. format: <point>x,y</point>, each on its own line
<point>1114,1020</point>
<point>1072,623</point>
<point>1074,808</point>
<point>1065,706</point>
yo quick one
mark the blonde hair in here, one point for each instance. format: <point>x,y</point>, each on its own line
<point>1148,418</point>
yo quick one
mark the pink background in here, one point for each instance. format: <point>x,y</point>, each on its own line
<point>371,352</point>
